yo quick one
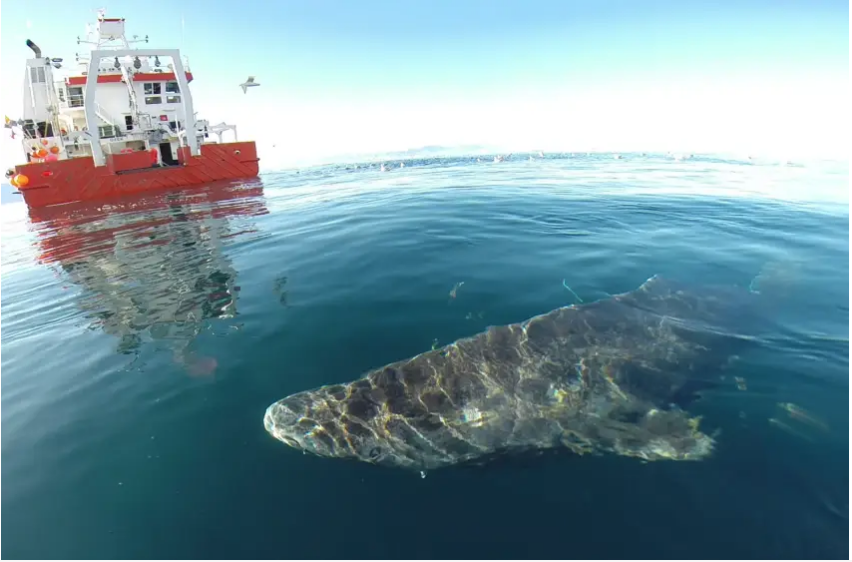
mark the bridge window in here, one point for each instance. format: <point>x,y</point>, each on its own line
<point>153,88</point>
<point>75,96</point>
<point>172,88</point>
<point>150,100</point>
<point>172,99</point>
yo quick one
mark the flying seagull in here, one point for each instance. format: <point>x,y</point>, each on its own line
<point>248,84</point>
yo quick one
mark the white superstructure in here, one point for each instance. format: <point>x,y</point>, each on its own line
<point>120,99</point>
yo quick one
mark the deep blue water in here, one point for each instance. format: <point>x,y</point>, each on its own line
<point>144,339</point>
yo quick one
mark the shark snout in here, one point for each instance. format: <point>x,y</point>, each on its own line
<point>283,423</point>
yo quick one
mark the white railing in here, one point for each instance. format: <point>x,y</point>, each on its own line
<point>104,116</point>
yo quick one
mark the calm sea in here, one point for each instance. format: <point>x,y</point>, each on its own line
<point>143,340</point>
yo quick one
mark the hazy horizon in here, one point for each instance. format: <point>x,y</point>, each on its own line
<point>755,77</point>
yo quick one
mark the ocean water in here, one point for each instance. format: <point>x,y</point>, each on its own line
<point>143,340</point>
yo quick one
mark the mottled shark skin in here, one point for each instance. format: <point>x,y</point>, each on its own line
<point>600,377</point>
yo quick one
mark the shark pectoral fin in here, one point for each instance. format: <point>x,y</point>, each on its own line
<point>670,434</point>
<point>651,435</point>
<point>576,442</point>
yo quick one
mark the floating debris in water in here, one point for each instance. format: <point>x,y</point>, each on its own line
<point>741,383</point>
<point>576,296</point>
<point>422,474</point>
<point>454,293</point>
<point>434,344</point>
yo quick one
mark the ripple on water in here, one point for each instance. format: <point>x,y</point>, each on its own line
<point>145,338</point>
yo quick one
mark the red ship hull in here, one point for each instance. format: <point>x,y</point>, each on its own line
<point>78,179</point>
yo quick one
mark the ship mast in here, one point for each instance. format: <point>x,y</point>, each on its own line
<point>109,36</point>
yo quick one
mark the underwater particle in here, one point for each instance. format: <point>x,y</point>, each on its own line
<point>741,383</point>
<point>791,430</point>
<point>469,316</point>
<point>454,292</point>
<point>434,344</point>
<point>279,288</point>
<point>570,290</point>
<point>422,474</point>
<point>828,504</point>
<point>800,414</point>
<point>778,277</point>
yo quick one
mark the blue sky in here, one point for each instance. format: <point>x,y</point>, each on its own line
<point>348,76</point>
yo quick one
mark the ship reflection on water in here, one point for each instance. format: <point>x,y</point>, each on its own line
<point>153,268</point>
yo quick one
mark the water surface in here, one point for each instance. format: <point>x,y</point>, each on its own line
<point>144,338</point>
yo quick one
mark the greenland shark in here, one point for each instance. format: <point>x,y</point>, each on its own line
<point>610,376</point>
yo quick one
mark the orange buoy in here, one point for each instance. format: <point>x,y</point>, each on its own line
<point>20,180</point>
<point>54,150</point>
<point>41,153</point>
<point>44,142</point>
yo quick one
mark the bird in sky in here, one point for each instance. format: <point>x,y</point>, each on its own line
<point>248,84</point>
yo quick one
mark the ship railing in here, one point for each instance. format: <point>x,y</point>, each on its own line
<point>105,116</point>
<point>66,99</point>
